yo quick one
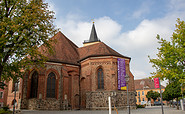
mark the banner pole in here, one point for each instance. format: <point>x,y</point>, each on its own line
<point>161,96</point>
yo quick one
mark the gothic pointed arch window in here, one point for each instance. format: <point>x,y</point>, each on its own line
<point>100,79</point>
<point>51,83</point>
<point>34,85</point>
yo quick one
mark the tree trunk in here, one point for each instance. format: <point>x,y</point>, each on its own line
<point>1,71</point>
<point>177,104</point>
<point>173,104</point>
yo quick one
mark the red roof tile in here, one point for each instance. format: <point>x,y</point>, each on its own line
<point>146,83</point>
<point>98,49</point>
<point>65,51</point>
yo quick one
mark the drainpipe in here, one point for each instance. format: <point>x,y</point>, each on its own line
<point>79,88</point>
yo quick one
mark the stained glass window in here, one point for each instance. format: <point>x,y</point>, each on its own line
<point>100,79</point>
<point>51,83</point>
<point>34,85</point>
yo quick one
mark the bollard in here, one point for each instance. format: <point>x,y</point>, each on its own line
<point>109,105</point>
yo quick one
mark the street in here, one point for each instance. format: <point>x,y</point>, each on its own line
<point>147,110</point>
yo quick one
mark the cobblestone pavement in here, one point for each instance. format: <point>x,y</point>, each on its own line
<point>147,110</point>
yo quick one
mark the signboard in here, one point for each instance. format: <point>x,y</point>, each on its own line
<point>156,82</point>
<point>121,74</point>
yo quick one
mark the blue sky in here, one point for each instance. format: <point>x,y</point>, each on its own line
<point>128,26</point>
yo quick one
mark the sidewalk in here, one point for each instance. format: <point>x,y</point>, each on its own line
<point>147,110</point>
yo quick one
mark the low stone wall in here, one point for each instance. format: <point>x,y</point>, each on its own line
<point>99,99</point>
<point>44,104</point>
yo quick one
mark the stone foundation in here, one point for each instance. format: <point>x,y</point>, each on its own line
<point>44,104</point>
<point>99,99</point>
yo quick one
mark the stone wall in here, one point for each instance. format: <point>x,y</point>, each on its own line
<point>44,104</point>
<point>99,99</point>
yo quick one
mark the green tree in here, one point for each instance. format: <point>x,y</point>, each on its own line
<point>170,61</point>
<point>172,91</point>
<point>166,96</point>
<point>152,94</point>
<point>24,26</point>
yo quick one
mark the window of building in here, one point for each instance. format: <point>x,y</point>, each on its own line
<point>139,99</point>
<point>51,83</point>
<point>1,95</point>
<point>14,102</point>
<point>143,99</point>
<point>34,85</point>
<point>100,79</point>
<point>143,93</point>
<point>15,86</point>
<point>1,104</point>
<point>138,93</point>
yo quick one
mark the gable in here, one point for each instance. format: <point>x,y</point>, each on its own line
<point>65,51</point>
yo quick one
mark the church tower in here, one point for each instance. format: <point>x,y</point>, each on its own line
<point>93,37</point>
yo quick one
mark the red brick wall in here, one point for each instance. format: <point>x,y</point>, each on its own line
<point>3,100</point>
<point>10,94</point>
<point>89,81</point>
<point>71,84</point>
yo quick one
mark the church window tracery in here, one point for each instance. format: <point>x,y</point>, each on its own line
<point>51,83</point>
<point>34,85</point>
<point>100,79</point>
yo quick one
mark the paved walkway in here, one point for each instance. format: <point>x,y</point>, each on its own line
<point>147,110</point>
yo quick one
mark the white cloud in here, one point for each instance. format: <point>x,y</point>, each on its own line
<point>139,74</point>
<point>137,43</point>
<point>177,5</point>
<point>143,9</point>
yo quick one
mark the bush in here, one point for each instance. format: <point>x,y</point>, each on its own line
<point>2,111</point>
<point>140,106</point>
<point>5,108</point>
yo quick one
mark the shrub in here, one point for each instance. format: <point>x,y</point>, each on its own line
<point>2,111</point>
<point>140,106</point>
<point>5,108</point>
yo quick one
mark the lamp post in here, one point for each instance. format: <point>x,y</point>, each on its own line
<point>127,80</point>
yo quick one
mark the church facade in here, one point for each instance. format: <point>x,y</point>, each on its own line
<point>77,77</point>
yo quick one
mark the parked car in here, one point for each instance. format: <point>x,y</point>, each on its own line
<point>175,102</point>
<point>156,103</point>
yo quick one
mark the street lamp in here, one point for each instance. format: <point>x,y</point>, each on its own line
<point>127,80</point>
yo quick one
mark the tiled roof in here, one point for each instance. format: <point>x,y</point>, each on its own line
<point>98,49</point>
<point>65,51</point>
<point>146,83</point>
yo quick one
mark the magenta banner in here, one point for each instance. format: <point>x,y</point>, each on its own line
<point>121,74</point>
<point>156,82</point>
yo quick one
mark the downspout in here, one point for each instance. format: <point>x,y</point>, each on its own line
<point>79,88</point>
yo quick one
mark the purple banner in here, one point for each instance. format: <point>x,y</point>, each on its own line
<point>121,74</point>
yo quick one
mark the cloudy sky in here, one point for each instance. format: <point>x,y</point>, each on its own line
<point>128,26</point>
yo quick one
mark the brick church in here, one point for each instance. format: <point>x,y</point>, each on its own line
<point>77,77</point>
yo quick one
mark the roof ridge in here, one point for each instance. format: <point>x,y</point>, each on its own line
<point>69,40</point>
<point>99,49</point>
<point>65,50</point>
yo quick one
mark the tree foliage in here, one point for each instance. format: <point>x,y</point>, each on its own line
<point>24,26</point>
<point>170,61</point>
<point>172,90</point>
<point>152,94</point>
